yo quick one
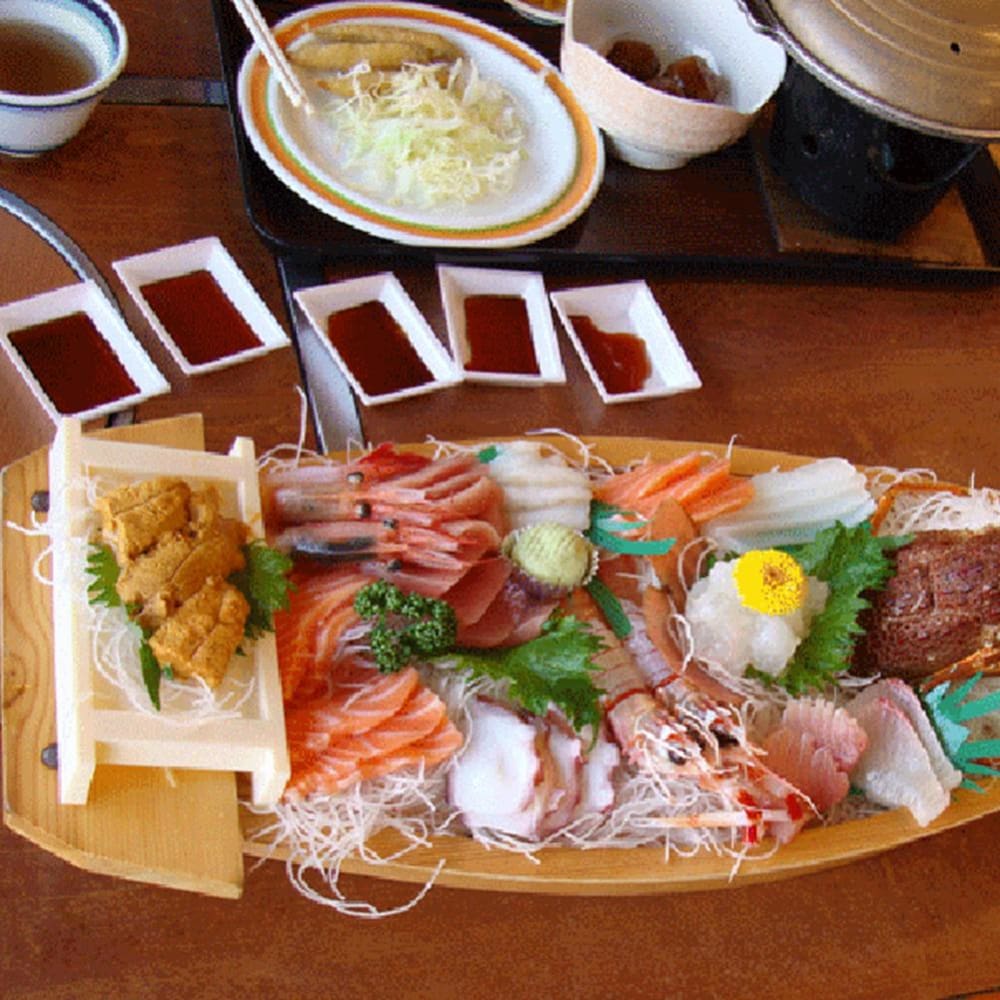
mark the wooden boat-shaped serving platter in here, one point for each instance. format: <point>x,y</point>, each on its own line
<point>187,830</point>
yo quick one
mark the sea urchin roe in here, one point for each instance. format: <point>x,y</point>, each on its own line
<point>199,317</point>
<point>770,581</point>
<point>375,348</point>
<point>498,332</point>
<point>75,366</point>
<point>619,359</point>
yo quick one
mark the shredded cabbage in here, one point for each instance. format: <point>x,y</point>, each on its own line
<point>430,138</point>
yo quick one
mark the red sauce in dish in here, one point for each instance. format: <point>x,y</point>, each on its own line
<point>75,366</point>
<point>375,348</point>
<point>498,332</point>
<point>199,316</point>
<point>620,359</point>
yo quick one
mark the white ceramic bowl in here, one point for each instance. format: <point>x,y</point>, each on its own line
<point>652,129</point>
<point>31,124</point>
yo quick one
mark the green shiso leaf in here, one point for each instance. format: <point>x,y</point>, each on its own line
<point>264,582</point>
<point>851,561</point>
<point>554,668</point>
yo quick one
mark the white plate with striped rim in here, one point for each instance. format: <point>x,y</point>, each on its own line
<point>562,168</point>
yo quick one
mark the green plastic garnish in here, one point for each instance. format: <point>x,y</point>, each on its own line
<point>949,711</point>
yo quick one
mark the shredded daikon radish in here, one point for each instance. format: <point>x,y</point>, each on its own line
<point>430,140</point>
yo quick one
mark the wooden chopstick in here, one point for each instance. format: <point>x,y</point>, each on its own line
<point>268,45</point>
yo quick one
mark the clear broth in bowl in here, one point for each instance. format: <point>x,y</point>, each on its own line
<point>36,59</point>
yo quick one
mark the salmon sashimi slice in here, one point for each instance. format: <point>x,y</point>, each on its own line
<point>734,494</point>
<point>422,712</point>
<point>318,679</point>
<point>359,704</point>
<point>313,600</point>
<point>646,479</point>
<point>432,749</point>
<point>337,766</point>
<point>362,699</point>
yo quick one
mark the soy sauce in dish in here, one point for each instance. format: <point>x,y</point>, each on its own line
<point>199,317</point>
<point>36,59</point>
<point>376,350</point>
<point>498,332</point>
<point>75,366</point>
<point>619,359</point>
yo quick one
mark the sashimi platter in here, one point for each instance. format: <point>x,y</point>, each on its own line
<point>543,663</point>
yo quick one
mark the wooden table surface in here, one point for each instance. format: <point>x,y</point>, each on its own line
<point>880,368</point>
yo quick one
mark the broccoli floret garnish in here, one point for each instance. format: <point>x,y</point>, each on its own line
<point>406,626</point>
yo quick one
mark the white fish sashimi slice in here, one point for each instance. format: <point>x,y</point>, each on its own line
<point>905,699</point>
<point>545,495</point>
<point>895,769</point>
<point>818,478</point>
<point>576,516</point>
<point>735,539</point>
<point>790,507</point>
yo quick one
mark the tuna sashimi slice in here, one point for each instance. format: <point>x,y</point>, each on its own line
<point>895,769</point>
<point>474,593</point>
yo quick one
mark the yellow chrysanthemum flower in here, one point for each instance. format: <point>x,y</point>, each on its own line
<point>770,582</point>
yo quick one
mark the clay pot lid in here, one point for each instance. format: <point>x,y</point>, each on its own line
<point>931,65</point>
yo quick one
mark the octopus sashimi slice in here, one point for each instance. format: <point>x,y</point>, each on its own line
<point>494,780</point>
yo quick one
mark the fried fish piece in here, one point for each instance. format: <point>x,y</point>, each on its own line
<point>134,517</point>
<point>200,638</point>
<point>439,48</point>
<point>348,84</point>
<point>339,57</point>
